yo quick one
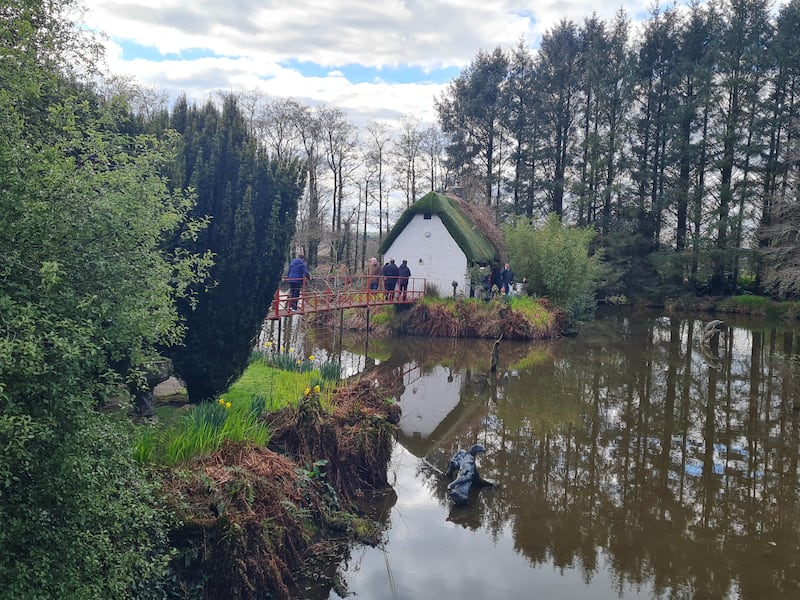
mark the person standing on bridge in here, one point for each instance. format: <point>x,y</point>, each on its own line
<point>390,272</point>
<point>373,273</point>
<point>403,273</point>
<point>297,275</point>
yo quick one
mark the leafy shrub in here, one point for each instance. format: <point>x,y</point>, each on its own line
<point>557,263</point>
<point>87,524</point>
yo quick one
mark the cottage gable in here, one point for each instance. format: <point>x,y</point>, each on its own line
<point>439,241</point>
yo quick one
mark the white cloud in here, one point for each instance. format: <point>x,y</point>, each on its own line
<point>254,42</point>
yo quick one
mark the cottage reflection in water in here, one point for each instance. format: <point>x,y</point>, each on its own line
<point>631,462</point>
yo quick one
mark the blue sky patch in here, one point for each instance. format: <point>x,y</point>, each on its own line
<point>132,50</point>
<point>362,74</point>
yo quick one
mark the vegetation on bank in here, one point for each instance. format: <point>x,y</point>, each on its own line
<point>513,317</point>
<point>743,304</point>
<point>237,416</point>
<point>248,515</point>
<point>96,255</point>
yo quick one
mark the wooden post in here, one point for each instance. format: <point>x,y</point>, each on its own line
<point>495,354</point>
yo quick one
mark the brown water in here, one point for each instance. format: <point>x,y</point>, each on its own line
<point>630,462</point>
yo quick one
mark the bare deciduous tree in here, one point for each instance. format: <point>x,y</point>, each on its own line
<point>407,156</point>
<point>377,154</point>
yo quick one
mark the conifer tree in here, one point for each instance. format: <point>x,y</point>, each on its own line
<point>250,202</point>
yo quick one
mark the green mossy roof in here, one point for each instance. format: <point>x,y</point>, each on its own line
<point>468,237</point>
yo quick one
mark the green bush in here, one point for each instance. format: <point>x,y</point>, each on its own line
<point>557,264</point>
<point>88,524</point>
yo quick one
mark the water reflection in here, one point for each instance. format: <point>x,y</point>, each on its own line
<point>631,462</point>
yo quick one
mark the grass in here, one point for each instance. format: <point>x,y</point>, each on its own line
<point>236,415</point>
<point>746,303</point>
<point>533,311</point>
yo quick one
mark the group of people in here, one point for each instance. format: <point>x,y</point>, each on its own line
<point>393,276</point>
<point>393,279</point>
<point>498,281</point>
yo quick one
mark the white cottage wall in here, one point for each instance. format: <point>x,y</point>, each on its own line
<point>427,399</point>
<point>431,253</point>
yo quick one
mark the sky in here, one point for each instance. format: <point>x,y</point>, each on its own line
<point>378,59</point>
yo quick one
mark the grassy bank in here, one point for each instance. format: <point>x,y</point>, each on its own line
<point>269,475</point>
<point>743,304</point>
<point>513,317</point>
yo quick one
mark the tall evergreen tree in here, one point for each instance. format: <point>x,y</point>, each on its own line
<point>470,112</point>
<point>657,82</point>
<point>559,82</point>
<point>740,70</point>
<point>781,126</point>
<point>521,123</point>
<point>251,203</point>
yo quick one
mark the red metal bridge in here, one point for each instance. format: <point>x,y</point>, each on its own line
<point>339,292</point>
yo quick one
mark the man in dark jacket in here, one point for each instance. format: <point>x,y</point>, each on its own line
<point>298,273</point>
<point>403,273</point>
<point>390,272</point>
<point>506,278</point>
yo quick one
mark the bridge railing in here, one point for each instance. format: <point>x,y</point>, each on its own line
<point>339,291</point>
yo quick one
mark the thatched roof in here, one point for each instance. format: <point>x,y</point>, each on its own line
<point>464,230</point>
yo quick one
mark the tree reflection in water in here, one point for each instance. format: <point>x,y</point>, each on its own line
<point>628,452</point>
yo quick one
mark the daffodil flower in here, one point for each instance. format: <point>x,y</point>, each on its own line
<point>227,405</point>
<point>221,401</point>
<point>311,357</point>
<point>307,391</point>
<point>316,389</point>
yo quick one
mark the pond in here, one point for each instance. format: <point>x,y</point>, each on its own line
<point>632,461</point>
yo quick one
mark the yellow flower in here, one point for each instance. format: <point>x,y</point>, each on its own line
<point>267,344</point>
<point>307,391</point>
<point>316,389</point>
<point>291,350</point>
<point>281,348</point>
<point>299,362</point>
<point>311,357</point>
<point>221,401</point>
<point>227,405</point>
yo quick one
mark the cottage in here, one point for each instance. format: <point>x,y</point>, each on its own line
<point>440,242</point>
